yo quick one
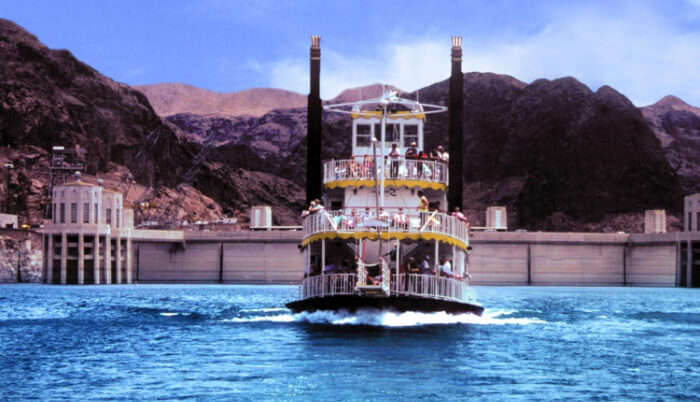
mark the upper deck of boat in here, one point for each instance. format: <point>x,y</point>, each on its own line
<point>399,172</point>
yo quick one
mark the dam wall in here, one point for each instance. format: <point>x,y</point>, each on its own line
<point>497,258</point>
<point>220,257</point>
<point>574,259</point>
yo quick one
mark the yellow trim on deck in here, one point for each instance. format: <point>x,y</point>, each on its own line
<point>387,183</point>
<point>385,236</point>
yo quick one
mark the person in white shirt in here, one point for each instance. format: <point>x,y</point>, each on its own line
<point>383,215</point>
<point>446,268</point>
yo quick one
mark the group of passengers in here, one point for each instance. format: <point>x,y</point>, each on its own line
<point>414,166</point>
<point>444,268</point>
<point>398,220</point>
<point>373,273</point>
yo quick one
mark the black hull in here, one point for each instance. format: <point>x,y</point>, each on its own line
<point>353,303</point>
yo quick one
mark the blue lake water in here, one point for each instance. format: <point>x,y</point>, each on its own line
<point>240,343</point>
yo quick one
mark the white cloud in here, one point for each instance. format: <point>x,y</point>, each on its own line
<point>639,52</point>
<point>408,66</point>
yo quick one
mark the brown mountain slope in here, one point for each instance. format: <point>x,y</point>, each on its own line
<point>560,156</point>
<point>48,97</point>
<point>173,98</point>
<point>677,125</point>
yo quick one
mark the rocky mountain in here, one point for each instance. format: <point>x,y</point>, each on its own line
<point>48,97</point>
<point>677,125</point>
<point>559,155</point>
<point>573,151</point>
<point>556,153</point>
<point>174,98</point>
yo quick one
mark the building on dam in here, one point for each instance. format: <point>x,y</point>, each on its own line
<point>89,239</point>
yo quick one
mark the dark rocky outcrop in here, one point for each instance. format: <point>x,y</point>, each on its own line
<point>48,97</point>
<point>564,148</point>
<point>677,125</point>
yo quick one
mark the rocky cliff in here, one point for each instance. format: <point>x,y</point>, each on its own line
<point>677,125</point>
<point>48,97</point>
<point>558,154</point>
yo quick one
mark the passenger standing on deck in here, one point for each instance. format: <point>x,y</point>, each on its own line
<point>457,213</point>
<point>400,220</point>
<point>425,267</point>
<point>383,215</point>
<point>412,151</point>
<point>367,167</point>
<point>411,268</point>
<point>307,211</point>
<point>440,155</point>
<point>411,155</point>
<point>419,164</point>
<point>395,156</point>
<point>316,206</point>
<point>445,268</point>
<point>351,220</point>
<point>366,215</point>
<point>422,207</point>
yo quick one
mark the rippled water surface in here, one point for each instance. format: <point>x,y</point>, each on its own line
<point>240,343</point>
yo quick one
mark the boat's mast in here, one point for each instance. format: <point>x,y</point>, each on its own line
<point>376,178</point>
<point>382,161</point>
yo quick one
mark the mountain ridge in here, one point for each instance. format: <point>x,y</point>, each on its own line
<point>559,155</point>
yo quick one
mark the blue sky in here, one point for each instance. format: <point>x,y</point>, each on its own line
<point>644,49</point>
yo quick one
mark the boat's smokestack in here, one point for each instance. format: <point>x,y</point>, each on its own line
<point>313,136</point>
<point>456,107</point>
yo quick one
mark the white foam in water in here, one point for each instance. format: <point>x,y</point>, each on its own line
<point>410,318</point>
<point>392,319</point>
<point>268,318</point>
<point>264,310</point>
<point>169,314</point>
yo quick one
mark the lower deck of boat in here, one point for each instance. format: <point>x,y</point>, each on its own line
<point>397,303</point>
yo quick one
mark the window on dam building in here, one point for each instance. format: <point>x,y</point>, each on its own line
<point>63,212</point>
<point>108,216</point>
<point>86,212</point>
<point>73,212</point>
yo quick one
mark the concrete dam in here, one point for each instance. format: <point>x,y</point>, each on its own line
<point>497,258</point>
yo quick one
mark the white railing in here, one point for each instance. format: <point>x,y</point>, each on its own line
<point>357,221</point>
<point>432,286</point>
<point>328,285</point>
<point>429,286</point>
<point>398,169</point>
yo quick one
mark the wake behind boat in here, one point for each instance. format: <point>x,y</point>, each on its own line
<point>387,240</point>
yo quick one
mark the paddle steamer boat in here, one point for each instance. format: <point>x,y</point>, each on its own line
<point>359,248</point>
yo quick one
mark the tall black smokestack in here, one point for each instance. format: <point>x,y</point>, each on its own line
<point>456,107</point>
<point>313,135</point>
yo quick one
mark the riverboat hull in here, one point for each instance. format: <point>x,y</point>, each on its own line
<point>352,303</point>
